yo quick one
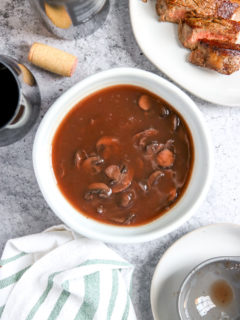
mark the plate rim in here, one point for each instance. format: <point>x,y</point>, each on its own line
<point>182,87</point>
<point>202,228</point>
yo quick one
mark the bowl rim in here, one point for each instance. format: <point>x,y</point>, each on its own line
<point>123,238</point>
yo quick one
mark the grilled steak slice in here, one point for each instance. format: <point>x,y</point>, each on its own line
<point>220,56</point>
<point>175,10</point>
<point>192,29</point>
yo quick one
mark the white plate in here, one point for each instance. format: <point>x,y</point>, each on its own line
<point>204,243</point>
<point>159,42</point>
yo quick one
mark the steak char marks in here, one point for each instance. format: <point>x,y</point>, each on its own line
<point>175,10</point>
<point>193,29</point>
<point>219,56</point>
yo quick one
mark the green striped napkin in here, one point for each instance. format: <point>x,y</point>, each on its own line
<point>60,275</point>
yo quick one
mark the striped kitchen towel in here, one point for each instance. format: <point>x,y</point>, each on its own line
<point>57,274</point>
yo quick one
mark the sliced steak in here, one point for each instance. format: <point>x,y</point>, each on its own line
<point>175,10</point>
<point>219,56</point>
<point>192,29</point>
<point>168,11</point>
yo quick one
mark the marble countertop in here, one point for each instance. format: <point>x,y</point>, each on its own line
<point>22,207</point>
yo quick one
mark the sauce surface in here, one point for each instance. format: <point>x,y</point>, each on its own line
<point>122,156</point>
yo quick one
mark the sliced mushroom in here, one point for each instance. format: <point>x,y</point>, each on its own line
<point>143,186</point>
<point>124,181</point>
<point>117,219</point>
<point>113,172</point>
<point>145,102</point>
<point>127,198</point>
<point>130,218</point>
<point>79,157</point>
<point>164,112</point>
<point>165,158</point>
<point>124,220</point>
<point>140,139</point>
<point>175,122</point>
<point>153,148</point>
<point>154,178</point>
<point>106,141</point>
<point>172,194</point>
<point>93,164</point>
<point>107,146</point>
<point>169,144</point>
<point>98,189</point>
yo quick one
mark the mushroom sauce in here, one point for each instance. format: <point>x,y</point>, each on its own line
<point>122,156</point>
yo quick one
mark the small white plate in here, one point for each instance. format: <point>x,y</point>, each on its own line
<point>159,42</point>
<point>207,242</point>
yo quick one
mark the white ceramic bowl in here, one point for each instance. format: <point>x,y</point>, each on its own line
<point>198,184</point>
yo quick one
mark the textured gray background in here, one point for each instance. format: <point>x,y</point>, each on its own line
<point>22,207</point>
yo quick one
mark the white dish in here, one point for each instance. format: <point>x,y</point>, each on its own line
<point>186,253</point>
<point>201,173</point>
<point>159,42</point>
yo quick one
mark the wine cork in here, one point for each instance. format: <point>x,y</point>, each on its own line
<point>52,59</point>
<point>58,15</point>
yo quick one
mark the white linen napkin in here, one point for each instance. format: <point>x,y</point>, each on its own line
<point>58,274</point>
